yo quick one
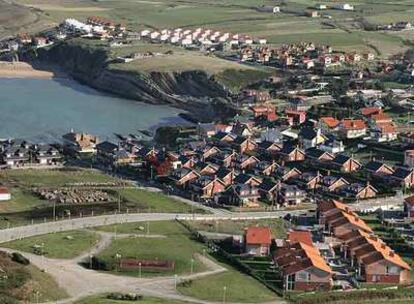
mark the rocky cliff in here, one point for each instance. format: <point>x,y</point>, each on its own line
<point>91,66</point>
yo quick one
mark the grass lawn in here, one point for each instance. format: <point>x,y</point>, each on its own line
<point>176,246</point>
<point>63,245</point>
<point>21,200</point>
<point>53,178</point>
<point>153,201</point>
<point>146,300</point>
<point>239,288</point>
<point>237,227</point>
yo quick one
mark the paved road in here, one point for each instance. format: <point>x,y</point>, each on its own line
<point>21,232</point>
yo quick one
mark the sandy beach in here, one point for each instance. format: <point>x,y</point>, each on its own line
<point>22,70</point>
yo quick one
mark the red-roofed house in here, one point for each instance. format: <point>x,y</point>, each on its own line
<point>352,128</point>
<point>5,194</point>
<point>369,111</point>
<point>328,124</point>
<point>300,236</point>
<point>384,132</point>
<point>258,240</point>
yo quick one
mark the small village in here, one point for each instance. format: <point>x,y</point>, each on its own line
<point>329,144</point>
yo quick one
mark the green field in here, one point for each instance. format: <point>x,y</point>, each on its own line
<point>143,200</point>
<point>239,288</point>
<point>145,300</point>
<point>237,227</point>
<point>53,178</point>
<point>25,206</point>
<point>343,31</point>
<point>63,245</point>
<point>175,246</point>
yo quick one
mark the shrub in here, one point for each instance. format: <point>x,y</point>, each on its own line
<point>124,296</point>
<point>19,258</point>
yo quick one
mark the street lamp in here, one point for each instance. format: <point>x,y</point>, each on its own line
<point>175,281</point>
<point>192,265</point>
<point>224,294</point>
<point>90,261</point>
<point>139,265</point>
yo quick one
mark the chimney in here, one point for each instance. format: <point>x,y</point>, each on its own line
<point>392,253</point>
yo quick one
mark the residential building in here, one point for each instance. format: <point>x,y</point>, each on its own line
<point>303,268</point>
<point>352,128</point>
<point>5,194</point>
<point>257,241</point>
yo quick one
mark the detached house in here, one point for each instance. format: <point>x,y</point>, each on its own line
<point>206,187</point>
<point>183,176</point>
<point>409,207</point>
<point>257,241</point>
<point>346,163</point>
<point>331,183</point>
<point>243,195</point>
<point>403,177</point>
<point>379,169</point>
<point>352,128</point>
<point>359,191</point>
<point>292,154</point>
<point>311,138</point>
<point>80,142</point>
<point>328,124</point>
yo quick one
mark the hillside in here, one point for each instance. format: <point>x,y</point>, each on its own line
<point>25,283</point>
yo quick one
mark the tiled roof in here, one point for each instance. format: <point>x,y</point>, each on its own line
<point>330,121</point>
<point>353,124</point>
<point>300,236</point>
<point>258,235</point>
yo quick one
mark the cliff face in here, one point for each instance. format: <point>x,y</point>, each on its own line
<point>90,66</point>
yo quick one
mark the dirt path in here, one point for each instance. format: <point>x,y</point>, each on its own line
<point>80,282</point>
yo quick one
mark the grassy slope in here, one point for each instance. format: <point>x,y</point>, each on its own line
<point>53,178</point>
<point>240,16</point>
<point>154,202</point>
<point>63,245</point>
<point>145,300</point>
<point>237,227</point>
<point>239,288</point>
<point>23,282</point>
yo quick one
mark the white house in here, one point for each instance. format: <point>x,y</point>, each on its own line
<point>5,194</point>
<point>345,7</point>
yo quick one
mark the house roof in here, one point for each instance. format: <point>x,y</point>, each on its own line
<point>316,153</point>
<point>298,257</point>
<point>375,166</point>
<point>268,185</point>
<point>353,124</point>
<point>4,190</point>
<point>402,173</point>
<point>410,200</point>
<point>370,111</point>
<point>308,133</point>
<point>258,235</point>
<point>330,121</point>
<point>300,236</point>
<point>381,117</point>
